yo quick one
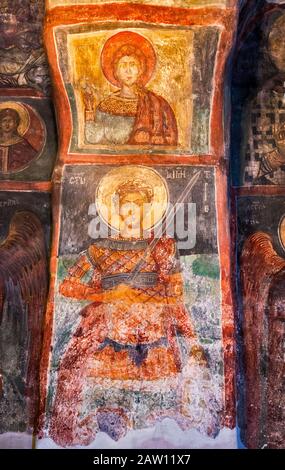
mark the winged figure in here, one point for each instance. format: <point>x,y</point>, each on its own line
<point>263,285</point>
<point>23,292</point>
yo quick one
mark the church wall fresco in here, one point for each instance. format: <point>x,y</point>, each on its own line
<point>138,93</point>
<point>28,147</point>
<point>168,3</point>
<point>25,241</point>
<point>149,311</point>
<point>258,104</point>
<point>104,121</point>
<point>261,264</point>
<point>113,394</point>
<point>257,172</point>
<point>109,119</point>
<point>27,137</point>
<point>23,61</point>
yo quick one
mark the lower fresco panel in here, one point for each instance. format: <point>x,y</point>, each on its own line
<point>137,335</point>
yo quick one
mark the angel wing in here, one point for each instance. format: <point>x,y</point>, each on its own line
<point>276,365</point>
<point>260,265</point>
<point>23,293</point>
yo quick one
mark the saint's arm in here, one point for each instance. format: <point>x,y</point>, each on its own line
<point>72,286</point>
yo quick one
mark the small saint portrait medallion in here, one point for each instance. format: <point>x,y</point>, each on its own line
<point>22,136</point>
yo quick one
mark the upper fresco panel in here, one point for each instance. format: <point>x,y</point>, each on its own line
<point>167,3</point>
<point>138,87</point>
<point>139,78</point>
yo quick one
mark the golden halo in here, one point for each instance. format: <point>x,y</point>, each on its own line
<point>107,191</point>
<point>23,113</point>
<point>276,46</point>
<point>123,41</point>
<point>281,231</point>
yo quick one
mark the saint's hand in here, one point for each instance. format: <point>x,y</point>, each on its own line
<point>123,292</point>
<point>73,288</point>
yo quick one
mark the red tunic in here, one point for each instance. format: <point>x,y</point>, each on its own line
<point>155,122</point>
<point>16,156</point>
<point>119,339</point>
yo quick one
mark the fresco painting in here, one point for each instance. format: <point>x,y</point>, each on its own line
<point>261,106</point>
<point>28,144</point>
<point>168,3</point>
<point>128,331</point>
<point>23,61</point>
<point>262,263</point>
<point>16,149</point>
<point>142,224</point>
<point>126,94</point>
<point>128,62</point>
<point>258,176</point>
<point>28,141</point>
<point>28,150</point>
<point>134,322</point>
<point>25,238</point>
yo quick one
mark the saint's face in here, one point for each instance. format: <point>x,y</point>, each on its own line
<point>131,212</point>
<point>8,124</point>
<point>128,70</point>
